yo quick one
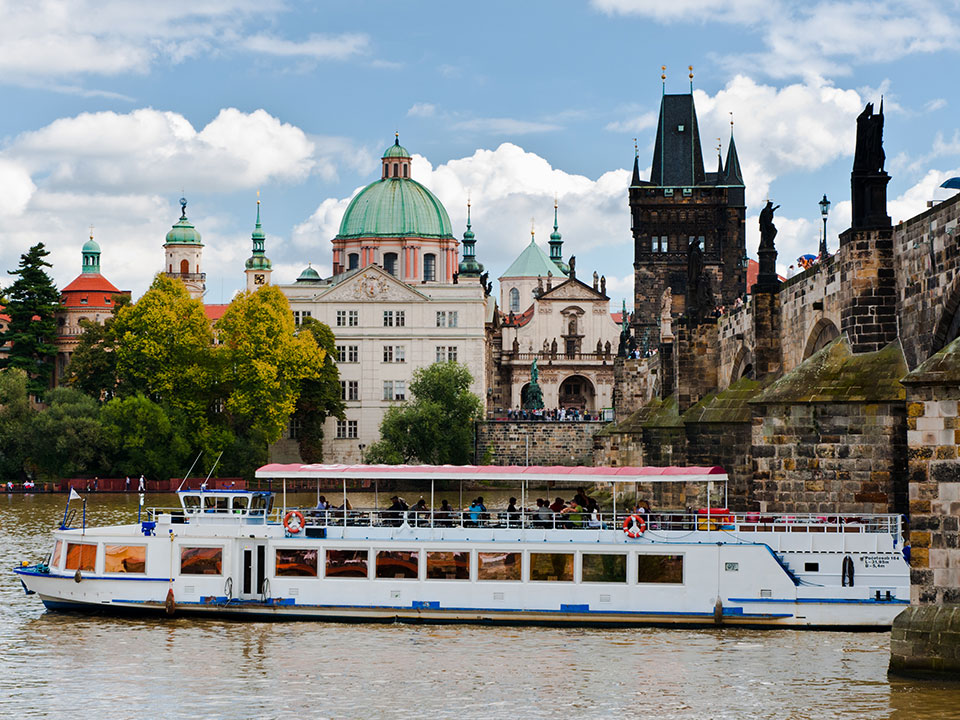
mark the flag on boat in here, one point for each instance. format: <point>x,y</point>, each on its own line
<point>74,495</point>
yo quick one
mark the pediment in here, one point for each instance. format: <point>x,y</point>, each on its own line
<point>572,289</point>
<point>372,284</point>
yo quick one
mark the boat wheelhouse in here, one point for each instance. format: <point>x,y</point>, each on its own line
<point>234,553</point>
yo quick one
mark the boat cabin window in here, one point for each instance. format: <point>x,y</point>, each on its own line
<point>201,560</point>
<point>81,556</point>
<point>659,568</point>
<point>346,564</point>
<point>215,503</point>
<point>240,503</point>
<point>398,564</point>
<point>604,567</point>
<point>551,567</point>
<point>191,503</point>
<point>55,559</point>
<point>296,562</point>
<point>498,565</point>
<point>261,505</point>
<point>125,559</point>
<point>448,566</point>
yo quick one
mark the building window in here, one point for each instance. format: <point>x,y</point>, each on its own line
<point>394,354</point>
<point>446,319</point>
<point>349,390</point>
<point>341,318</point>
<point>353,261</point>
<point>406,170</point>
<point>401,318</point>
<point>388,353</point>
<point>346,429</point>
<point>514,300</point>
<point>348,353</point>
<point>393,318</point>
<point>446,353</point>
<point>299,316</point>
<point>295,428</point>
<point>390,263</point>
<point>394,389</point>
<point>395,170</point>
<point>388,318</point>
<point>429,267</point>
<point>353,318</point>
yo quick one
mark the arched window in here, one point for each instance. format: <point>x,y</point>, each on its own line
<point>184,267</point>
<point>353,261</point>
<point>514,300</point>
<point>406,170</point>
<point>390,263</point>
<point>429,267</point>
<point>396,171</point>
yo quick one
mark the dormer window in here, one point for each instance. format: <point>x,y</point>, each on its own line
<point>83,300</point>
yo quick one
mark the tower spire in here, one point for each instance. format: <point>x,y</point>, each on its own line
<point>635,180</point>
<point>469,267</point>
<point>556,241</point>
<point>258,265</point>
<point>732,175</point>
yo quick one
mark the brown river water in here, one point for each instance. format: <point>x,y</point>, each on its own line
<point>55,665</point>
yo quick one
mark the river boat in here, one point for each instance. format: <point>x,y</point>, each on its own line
<point>238,554</point>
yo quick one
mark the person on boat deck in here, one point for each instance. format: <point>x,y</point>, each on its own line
<point>346,505</point>
<point>444,515</point>
<point>558,505</point>
<point>394,514</point>
<point>594,509</point>
<point>581,497</point>
<point>573,514</point>
<point>476,510</point>
<point>513,515</point>
<point>420,512</point>
<point>542,515</point>
<point>322,503</point>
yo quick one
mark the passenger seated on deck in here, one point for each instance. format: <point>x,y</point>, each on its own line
<point>420,513</point>
<point>476,512</point>
<point>573,515</point>
<point>542,516</point>
<point>444,516</point>
<point>513,515</point>
<point>322,503</point>
<point>394,514</point>
<point>558,505</point>
<point>594,509</point>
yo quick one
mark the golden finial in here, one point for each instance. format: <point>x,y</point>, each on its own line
<point>731,119</point>
<point>91,232</point>
<point>690,68</point>
<point>531,229</point>
<point>663,73</point>
<point>636,147</point>
<point>258,197</point>
<point>468,199</point>
<point>556,201</point>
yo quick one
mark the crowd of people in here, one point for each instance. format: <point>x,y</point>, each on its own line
<point>554,415</point>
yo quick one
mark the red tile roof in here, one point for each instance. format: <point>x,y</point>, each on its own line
<point>215,312</point>
<point>519,319</point>
<point>89,290</point>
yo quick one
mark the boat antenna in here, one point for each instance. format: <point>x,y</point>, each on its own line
<point>188,472</point>
<point>213,468</point>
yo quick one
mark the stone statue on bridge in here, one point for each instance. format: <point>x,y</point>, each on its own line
<point>533,397</point>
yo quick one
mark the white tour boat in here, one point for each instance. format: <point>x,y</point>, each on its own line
<point>233,553</point>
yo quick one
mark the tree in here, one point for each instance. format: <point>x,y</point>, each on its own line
<point>264,361</point>
<point>31,302</point>
<point>142,438</point>
<point>319,397</point>
<point>15,418</point>
<point>436,427</point>
<point>93,364</point>
<point>164,349</point>
<point>67,438</point>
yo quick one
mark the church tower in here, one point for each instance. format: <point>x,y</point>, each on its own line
<point>258,265</point>
<point>682,205</point>
<point>183,252</point>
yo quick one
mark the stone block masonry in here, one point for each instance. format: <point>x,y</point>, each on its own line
<point>536,443</point>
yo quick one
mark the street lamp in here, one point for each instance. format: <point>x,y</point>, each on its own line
<point>824,209</point>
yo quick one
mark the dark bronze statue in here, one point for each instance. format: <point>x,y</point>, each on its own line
<point>869,155</point>
<point>768,231</point>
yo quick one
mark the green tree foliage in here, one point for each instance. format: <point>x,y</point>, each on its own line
<point>15,418</point>
<point>264,361</point>
<point>67,439</point>
<point>164,349</point>
<point>31,302</point>
<point>142,438</point>
<point>319,397</point>
<point>93,364</point>
<point>436,427</point>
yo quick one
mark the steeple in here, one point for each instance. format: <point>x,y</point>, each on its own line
<point>732,174</point>
<point>91,255</point>
<point>556,243</point>
<point>469,267</point>
<point>258,265</point>
<point>677,155</point>
<point>635,180</point>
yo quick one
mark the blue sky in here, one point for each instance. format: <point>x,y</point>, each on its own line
<point>114,108</point>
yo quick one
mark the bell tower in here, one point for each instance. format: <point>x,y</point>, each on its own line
<point>183,253</point>
<point>258,265</point>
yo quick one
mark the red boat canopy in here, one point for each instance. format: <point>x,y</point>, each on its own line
<point>556,473</point>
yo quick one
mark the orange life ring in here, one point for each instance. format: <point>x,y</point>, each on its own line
<point>634,526</point>
<point>301,523</point>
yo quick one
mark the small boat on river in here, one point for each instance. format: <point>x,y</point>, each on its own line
<point>236,554</point>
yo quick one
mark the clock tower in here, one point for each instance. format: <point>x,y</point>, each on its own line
<point>258,265</point>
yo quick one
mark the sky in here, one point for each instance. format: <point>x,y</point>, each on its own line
<point>116,109</point>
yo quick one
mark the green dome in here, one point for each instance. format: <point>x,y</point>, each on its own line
<point>309,275</point>
<point>90,247</point>
<point>395,207</point>
<point>183,232</point>
<point>259,262</point>
<point>396,151</point>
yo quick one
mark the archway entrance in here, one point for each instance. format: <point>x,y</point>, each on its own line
<point>577,392</point>
<point>823,333</point>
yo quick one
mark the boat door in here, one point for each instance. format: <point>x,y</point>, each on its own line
<point>253,571</point>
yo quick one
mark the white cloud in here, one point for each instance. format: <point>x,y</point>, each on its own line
<point>740,11</point>
<point>422,110</point>
<point>935,104</point>
<point>316,46</point>
<point>16,188</point>
<point>635,124</point>
<point>504,126</point>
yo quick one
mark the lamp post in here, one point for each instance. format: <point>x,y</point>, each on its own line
<point>824,209</point>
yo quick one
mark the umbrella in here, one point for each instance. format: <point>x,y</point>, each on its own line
<point>953,183</point>
<point>806,261</point>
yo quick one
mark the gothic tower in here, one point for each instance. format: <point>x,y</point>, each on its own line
<point>680,205</point>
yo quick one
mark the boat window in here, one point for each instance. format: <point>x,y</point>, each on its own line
<point>257,505</point>
<point>605,568</point>
<point>551,567</point>
<point>215,503</point>
<point>191,503</point>
<point>398,564</point>
<point>81,556</point>
<point>498,565</point>
<point>55,559</point>
<point>296,562</point>
<point>659,568</point>
<point>240,503</point>
<point>448,565</point>
<point>346,564</point>
<point>201,560</point>
<point>124,558</point>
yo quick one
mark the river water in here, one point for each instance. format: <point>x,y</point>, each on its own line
<point>55,665</point>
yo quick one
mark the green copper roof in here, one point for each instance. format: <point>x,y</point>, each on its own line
<point>395,207</point>
<point>183,231</point>
<point>309,275</point>
<point>90,246</point>
<point>532,262</point>
<point>396,151</point>
<point>258,260</point>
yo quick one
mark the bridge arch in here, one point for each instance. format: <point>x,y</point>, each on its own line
<point>823,333</point>
<point>742,365</point>
<point>948,326</point>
